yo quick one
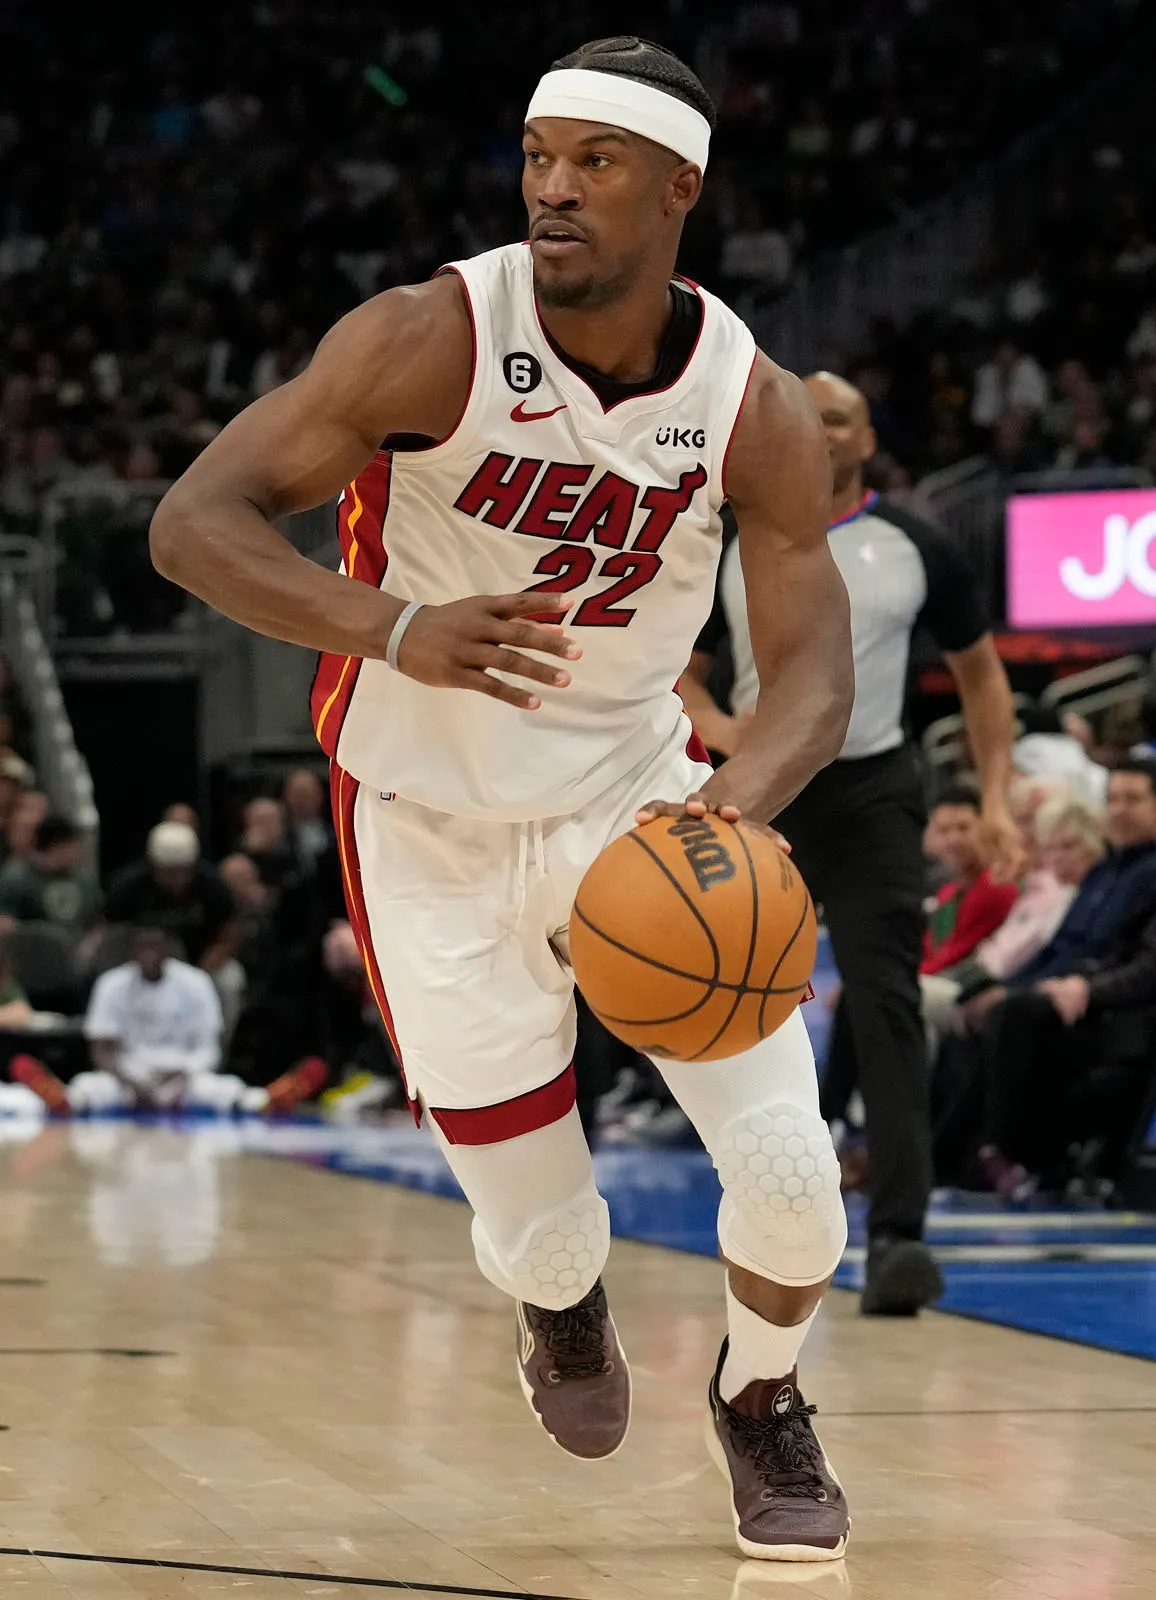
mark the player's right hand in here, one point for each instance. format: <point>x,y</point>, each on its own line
<point>462,645</point>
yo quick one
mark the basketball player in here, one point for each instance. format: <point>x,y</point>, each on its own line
<point>549,430</point>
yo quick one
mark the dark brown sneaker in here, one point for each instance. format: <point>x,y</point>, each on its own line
<point>787,1503</point>
<point>574,1375</point>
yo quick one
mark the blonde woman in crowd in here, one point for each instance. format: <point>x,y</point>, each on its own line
<point>1067,840</point>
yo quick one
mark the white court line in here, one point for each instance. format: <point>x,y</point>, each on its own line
<point>1042,1221</point>
<point>1078,1255</point>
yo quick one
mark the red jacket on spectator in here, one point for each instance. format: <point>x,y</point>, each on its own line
<point>963,915</point>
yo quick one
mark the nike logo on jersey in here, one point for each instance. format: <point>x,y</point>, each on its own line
<point>520,414</point>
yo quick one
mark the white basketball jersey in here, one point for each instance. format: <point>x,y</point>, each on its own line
<point>541,487</point>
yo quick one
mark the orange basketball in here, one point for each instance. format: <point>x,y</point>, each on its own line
<point>693,938</point>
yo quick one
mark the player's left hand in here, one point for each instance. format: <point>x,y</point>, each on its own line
<point>1003,843</point>
<point>701,805</point>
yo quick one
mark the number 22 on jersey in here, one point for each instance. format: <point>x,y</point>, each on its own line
<point>559,504</point>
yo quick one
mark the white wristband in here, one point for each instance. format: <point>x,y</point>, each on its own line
<point>408,613</point>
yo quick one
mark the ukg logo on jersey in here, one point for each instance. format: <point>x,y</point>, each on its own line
<point>1082,560</point>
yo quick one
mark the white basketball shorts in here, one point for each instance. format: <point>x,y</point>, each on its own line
<point>463,925</point>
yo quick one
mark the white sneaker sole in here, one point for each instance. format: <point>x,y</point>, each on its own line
<point>767,1552</point>
<point>554,1440</point>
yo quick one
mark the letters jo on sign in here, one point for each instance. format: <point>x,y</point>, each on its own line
<point>1080,560</point>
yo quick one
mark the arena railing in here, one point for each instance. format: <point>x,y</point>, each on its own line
<point>61,770</point>
<point>923,260</point>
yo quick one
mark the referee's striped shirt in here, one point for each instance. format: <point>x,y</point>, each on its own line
<point>901,573</point>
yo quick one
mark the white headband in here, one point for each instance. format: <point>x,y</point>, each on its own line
<point>624,103</point>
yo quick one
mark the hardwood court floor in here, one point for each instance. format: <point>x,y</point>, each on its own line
<point>330,1393</point>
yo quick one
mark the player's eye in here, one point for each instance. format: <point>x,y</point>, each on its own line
<point>535,157</point>
<point>597,162</point>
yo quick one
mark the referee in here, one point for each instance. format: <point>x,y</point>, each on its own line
<point>856,830</point>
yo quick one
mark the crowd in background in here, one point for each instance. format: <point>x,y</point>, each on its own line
<point>267,925</point>
<point>1039,995</point>
<point>186,209</point>
<point>1047,361</point>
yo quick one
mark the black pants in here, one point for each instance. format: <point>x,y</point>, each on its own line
<point>1033,1064</point>
<point>857,836</point>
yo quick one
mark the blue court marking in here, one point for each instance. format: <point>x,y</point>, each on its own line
<point>1070,1286</point>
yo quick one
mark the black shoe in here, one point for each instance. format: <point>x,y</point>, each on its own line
<point>902,1278</point>
<point>574,1375</point>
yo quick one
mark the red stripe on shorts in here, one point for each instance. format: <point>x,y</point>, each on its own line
<point>343,790</point>
<point>538,1108</point>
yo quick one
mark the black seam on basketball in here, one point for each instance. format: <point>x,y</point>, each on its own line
<point>754,905</point>
<point>647,960</point>
<point>730,1017</point>
<point>740,996</point>
<point>691,907</point>
<point>655,1022</point>
<point>677,972</point>
<point>732,1013</point>
<point>783,957</point>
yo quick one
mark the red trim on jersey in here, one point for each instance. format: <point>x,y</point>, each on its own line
<point>696,750</point>
<point>343,792</point>
<point>734,426</point>
<point>645,394</point>
<point>360,526</point>
<point>473,351</point>
<point>510,1118</point>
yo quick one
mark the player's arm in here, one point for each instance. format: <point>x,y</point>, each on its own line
<point>955,615</point>
<point>398,364</point>
<point>989,715</point>
<point>779,487</point>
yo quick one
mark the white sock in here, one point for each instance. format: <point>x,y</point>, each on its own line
<point>758,1349</point>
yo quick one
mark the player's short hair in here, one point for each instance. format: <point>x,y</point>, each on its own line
<point>627,56</point>
<point>1142,766</point>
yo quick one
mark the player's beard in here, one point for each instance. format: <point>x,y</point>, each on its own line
<point>582,294</point>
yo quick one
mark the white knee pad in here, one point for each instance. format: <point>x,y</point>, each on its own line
<point>782,1213</point>
<point>558,1257</point>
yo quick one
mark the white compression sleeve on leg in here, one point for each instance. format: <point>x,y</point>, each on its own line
<point>782,1213</point>
<point>541,1230</point>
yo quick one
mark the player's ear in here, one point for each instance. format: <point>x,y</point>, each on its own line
<point>684,185</point>
<point>870,443</point>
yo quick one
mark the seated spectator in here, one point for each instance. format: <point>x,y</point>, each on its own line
<point>27,814</point>
<point>254,902</point>
<point>1045,1023</point>
<point>173,889</point>
<point>265,839</point>
<point>1065,843</point>
<point>970,906</point>
<point>1010,381</point>
<point>307,804</point>
<point>154,1029</point>
<point>179,811</point>
<point>15,1012</point>
<point>16,776</point>
<point>1049,749</point>
<point>51,884</point>
<point>369,1078</point>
